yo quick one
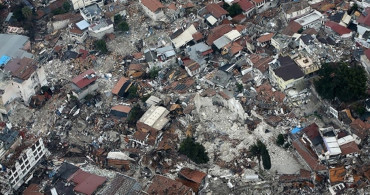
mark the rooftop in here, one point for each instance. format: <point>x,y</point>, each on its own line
<point>14,46</point>
<point>309,18</point>
<point>152,5</point>
<point>165,185</point>
<point>85,79</point>
<point>216,10</point>
<point>155,117</point>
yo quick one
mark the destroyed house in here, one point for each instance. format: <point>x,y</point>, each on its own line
<point>122,184</point>
<point>192,178</point>
<point>122,87</point>
<point>120,111</point>
<point>8,138</point>
<point>309,157</point>
<point>86,183</point>
<point>27,79</point>
<point>164,185</point>
<point>84,84</point>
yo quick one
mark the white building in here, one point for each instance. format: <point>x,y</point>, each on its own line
<point>294,9</point>
<point>78,4</point>
<point>100,28</point>
<point>20,171</point>
<point>153,8</point>
<point>155,117</point>
<point>84,84</point>
<point>312,20</point>
<point>27,78</point>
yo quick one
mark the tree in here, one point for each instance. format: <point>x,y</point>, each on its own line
<point>234,10</point>
<point>347,83</point>
<point>256,150</point>
<point>101,46</point>
<point>2,6</point>
<point>134,115</point>
<point>27,12</point>
<point>259,150</point>
<point>123,26</point>
<point>280,140</point>
<point>132,92</point>
<point>117,19</point>
<point>193,150</point>
<point>239,87</point>
<point>153,73</point>
<point>266,161</point>
<point>66,6</point>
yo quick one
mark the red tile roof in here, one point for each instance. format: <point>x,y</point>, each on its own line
<point>172,6</point>
<point>266,37</point>
<point>85,79</point>
<point>216,10</point>
<point>341,30</point>
<point>365,20</point>
<point>293,27</point>
<point>119,85</point>
<point>32,189</point>
<point>165,185</point>
<point>122,108</point>
<point>87,183</point>
<point>367,53</point>
<point>312,131</point>
<point>307,157</point>
<point>197,36</point>
<point>349,148</point>
<point>192,175</point>
<point>245,5</point>
<point>218,32</point>
<point>152,5</point>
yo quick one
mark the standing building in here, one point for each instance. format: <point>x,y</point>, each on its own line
<point>20,166</point>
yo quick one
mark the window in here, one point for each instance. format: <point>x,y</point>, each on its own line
<point>22,167</point>
<point>28,167</point>
<point>38,142</point>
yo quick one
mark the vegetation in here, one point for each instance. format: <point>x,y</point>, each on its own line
<point>259,151</point>
<point>17,13</point>
<point>234,10</point>
<point>339,80</point>
<point>353,9</point>
<point>300,31</point>
<point>153,73</point>
<point>62,10</point>
<point>266,160</point>
<point>132,92</point>
<point>2,6</point>
<point>280,140</point>
<point>101,46</point>
<point>135,114</point>
<point>239,87</point>
<point>193,150</point>
<point>120,23</point>
<point>27,12</point>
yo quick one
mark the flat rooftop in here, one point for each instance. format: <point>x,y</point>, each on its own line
<point>309,18</point>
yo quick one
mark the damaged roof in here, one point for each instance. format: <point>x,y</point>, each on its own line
<point>165,185</point>
<point>85,79</point>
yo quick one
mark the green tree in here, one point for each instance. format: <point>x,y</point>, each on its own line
<point>193,150</point>
<point>266,161</point>
<point>132,92</point>
<point>153,73</point>
<point>280,140</point>
<point>239,87</point>
<point>2,6</point>
<point>17,13</point>
<point>27,12</point>
<point>256,150</point>
<point>123,26</point>
<point>117,19</point>
<point>347,83</point>
<point>66,6</point>
<point>134,115</point>
<point>101,46</point>
<point>234,10</point>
